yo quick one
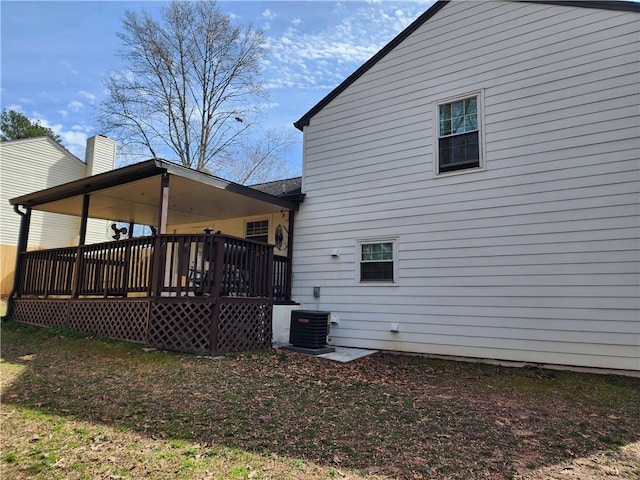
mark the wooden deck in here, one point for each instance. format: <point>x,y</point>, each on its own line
<point>204,293</point>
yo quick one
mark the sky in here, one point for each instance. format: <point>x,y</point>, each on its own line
<point>55,55</point>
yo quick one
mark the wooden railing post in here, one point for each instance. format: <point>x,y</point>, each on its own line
<point>77,273</point>
<point>127,267</point>
<point>156,272</point>
<point>218,265</point>
<point>269,285</point>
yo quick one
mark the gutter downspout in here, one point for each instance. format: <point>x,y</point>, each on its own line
<point>23,239</point>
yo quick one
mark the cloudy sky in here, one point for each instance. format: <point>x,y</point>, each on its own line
<point>55,54</point>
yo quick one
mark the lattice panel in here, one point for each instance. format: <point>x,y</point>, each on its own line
<point>44,313</point>
<point>181,327</point>
<point>121,319</point>
<point>244,326</point>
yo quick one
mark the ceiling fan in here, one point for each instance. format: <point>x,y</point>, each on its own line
<point>117,232</point>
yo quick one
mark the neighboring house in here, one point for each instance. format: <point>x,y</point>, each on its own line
<point>473,189</point>
<point>34,164</point>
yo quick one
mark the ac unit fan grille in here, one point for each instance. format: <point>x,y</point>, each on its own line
<point>309,329</point>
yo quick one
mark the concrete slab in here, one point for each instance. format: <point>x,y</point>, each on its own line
<point>345,354</point>
<point>341,354</point>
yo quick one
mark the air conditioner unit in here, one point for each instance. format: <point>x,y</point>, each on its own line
<point>309,328</point>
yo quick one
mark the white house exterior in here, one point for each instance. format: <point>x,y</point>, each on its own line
<point>525,248</point>
<point>34,164</point>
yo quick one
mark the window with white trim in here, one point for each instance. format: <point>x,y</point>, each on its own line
<point>258,231</point>
<point>459,140</point>
<point>377,261</point>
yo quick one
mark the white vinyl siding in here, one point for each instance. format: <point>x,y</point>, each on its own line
<point>534,259</point>
<point>30,165</point>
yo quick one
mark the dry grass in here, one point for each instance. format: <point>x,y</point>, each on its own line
<point>76,407</point>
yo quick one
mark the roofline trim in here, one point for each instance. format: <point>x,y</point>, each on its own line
<point>618,5</point>
<point>140,171</point>
<point>57,145</point>
<point>86,185</point>
<point>304,120</point>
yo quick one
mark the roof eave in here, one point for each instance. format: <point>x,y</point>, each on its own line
<point>87,185</point>
<point>306,118</point>
<point>139,171</point>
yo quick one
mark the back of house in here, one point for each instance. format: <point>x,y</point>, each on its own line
<point>473,189</point>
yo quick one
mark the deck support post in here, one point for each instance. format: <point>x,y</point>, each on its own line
<point>290,256</point>
<point>164,204</point>
<point>82,238</point>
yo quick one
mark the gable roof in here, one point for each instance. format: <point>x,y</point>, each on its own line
<point>626,6</point>
<point>43,138</point>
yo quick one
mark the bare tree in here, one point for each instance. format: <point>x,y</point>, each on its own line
<point>192,85</point>
<point>259,159</point>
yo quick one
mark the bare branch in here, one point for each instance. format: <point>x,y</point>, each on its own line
<point>191,75</point>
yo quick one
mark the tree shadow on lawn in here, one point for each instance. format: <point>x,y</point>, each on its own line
<point>392,415</point>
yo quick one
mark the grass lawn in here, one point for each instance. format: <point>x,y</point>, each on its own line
<point>76,407</point>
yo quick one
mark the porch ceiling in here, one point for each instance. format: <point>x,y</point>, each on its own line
<point>132,194</point>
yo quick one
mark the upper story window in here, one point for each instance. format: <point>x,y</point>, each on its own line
<point>459,135</point>
<point>258,231</point>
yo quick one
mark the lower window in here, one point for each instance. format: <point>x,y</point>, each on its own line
<point>258,231</point>
<point>377,261</point>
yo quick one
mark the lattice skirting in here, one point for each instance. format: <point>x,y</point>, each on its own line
<point>120,319</point>
<point>192,325</point>
<point>41,312</point>
<point>244,325</point>
<point>182,325</point>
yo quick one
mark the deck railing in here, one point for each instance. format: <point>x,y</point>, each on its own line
<point>115,268</point>
<point>48,272</point>
<point>281,279</point>
<point>216,265</point>
<point>164,265</point>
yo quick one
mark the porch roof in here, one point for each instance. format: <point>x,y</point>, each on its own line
<point>133,194</point>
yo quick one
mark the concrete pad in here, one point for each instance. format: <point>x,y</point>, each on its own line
<point>341,354</point>
<point>345,354</point>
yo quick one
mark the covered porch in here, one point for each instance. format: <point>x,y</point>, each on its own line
<point>180,288</point>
